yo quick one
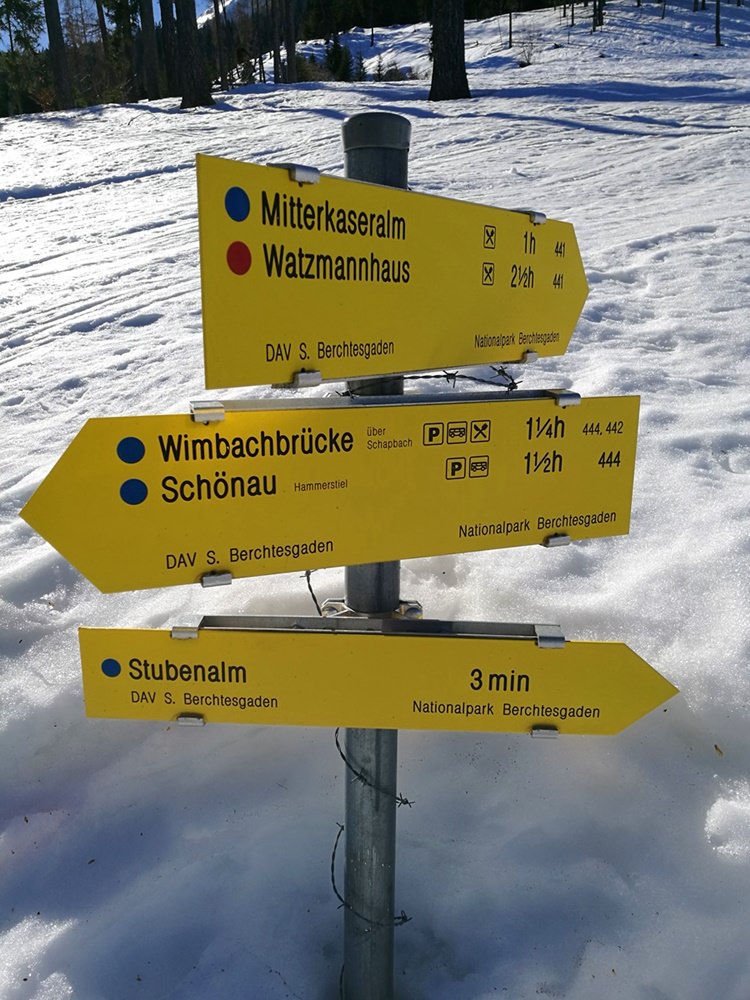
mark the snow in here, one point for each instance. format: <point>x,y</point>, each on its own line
<point>144,860</point>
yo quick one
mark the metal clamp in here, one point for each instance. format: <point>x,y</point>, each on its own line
<point>209,411</point>
<point>299,173</point>
<point>335,608</point>
<point>301,380</point>
<point>216,579</point>
<point>536,218</point>
<point>183,632</point>
<point>565,397</point>
<point>549,637</point>
<point>548,732</point>
<point>555,541</point>
<point>191,719</point>
<point>306,380</point>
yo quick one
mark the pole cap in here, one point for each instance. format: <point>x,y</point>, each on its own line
<point>376,129</point>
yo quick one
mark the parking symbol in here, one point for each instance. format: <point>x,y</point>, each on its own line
<point>433,434</point>
<point>480,430</point>
<point>455,468</point>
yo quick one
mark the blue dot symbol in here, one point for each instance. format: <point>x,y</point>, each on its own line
<point>131,450</point>
<point>133,491</point>
<point>111,668</point>
<point>237,204</point>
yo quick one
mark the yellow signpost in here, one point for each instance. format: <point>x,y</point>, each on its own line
<point>152,501</point>
<point>305,273</point>
<point>309,676</point>
<point>308,278</point>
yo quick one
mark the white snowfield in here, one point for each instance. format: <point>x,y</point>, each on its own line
<point>145,860</point>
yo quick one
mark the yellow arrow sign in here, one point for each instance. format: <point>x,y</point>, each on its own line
<point>159,500</point>
<point>351,279</point>
<point>482,683</point>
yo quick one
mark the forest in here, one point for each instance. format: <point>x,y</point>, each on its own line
<point>61,54</point>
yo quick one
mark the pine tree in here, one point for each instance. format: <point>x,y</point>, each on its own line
<point>121,50</point>
<point>290,40</point>
<point>150,56</point>
<point>57,56</point>
<point>21,24</point>
<point>169,46</point>
<point>360,74</point>
<point>195,82</point>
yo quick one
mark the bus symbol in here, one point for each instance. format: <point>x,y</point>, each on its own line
<point>479,466</point>
<point>458,432</point>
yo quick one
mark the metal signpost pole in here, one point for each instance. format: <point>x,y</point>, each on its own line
<point>376,148</point>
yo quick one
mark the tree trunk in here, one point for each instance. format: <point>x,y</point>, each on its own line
<point>276,29</point>
<point>103,33</point>
<point>220,53</point>
<point>122,50</point>
<point>150,56</point>
<point>290,41</point>
<point>259,38</point>
<point>57,58</point>
<point>169,38</point>
<point>195,82</point>
<point>718,22</point>
<point>449,81</point>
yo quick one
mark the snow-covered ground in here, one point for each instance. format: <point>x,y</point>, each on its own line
<point>145,860</point>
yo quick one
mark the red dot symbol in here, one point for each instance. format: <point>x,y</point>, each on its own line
<point>239,258</point>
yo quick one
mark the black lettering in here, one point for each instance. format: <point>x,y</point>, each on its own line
<point>270,214</point>
<point>274,257</point>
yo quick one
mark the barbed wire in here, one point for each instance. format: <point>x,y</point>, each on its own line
<point>452,377</point>
<point>509,385</point>
<point>401,800</point>
<point>308,579</point>
<point>402,918</point>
